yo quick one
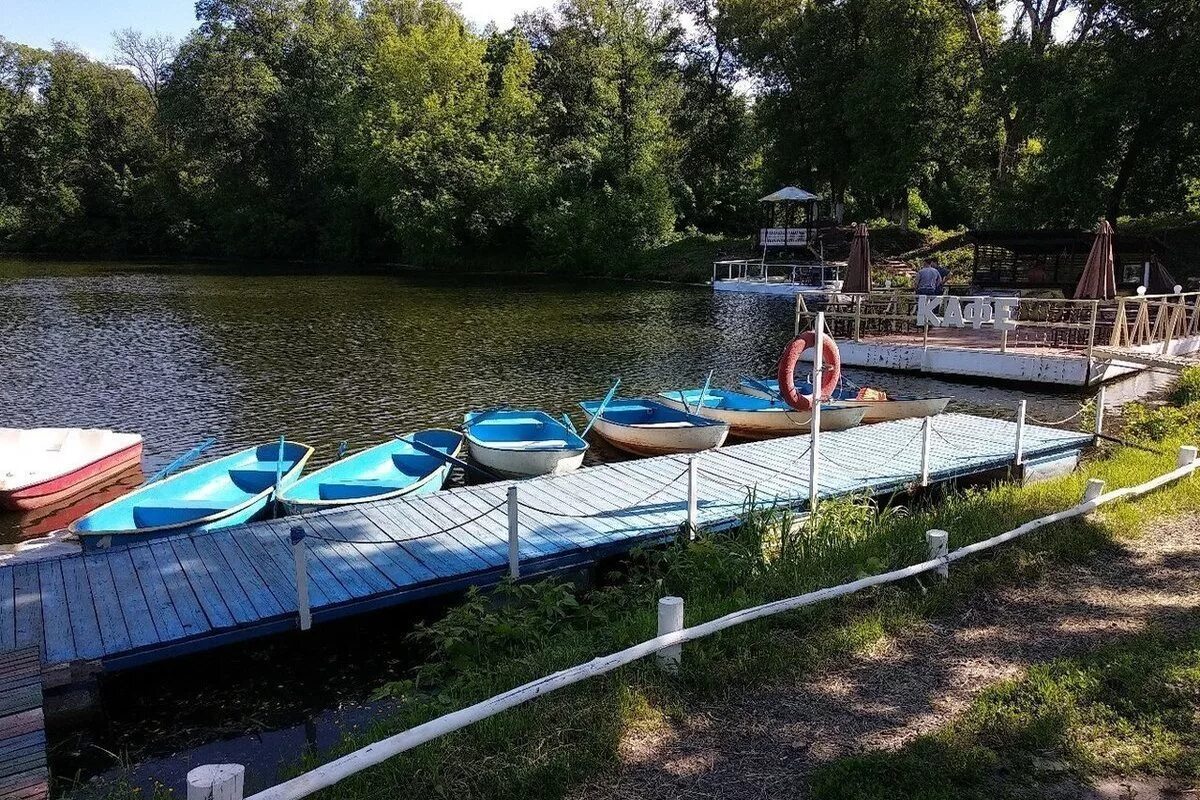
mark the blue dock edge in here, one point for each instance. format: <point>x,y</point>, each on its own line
<point>165,598</point>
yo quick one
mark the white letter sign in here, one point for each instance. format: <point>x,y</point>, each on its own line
<point>1000,312</point>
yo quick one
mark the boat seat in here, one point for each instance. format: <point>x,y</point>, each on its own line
<point>152,515</point>
<point>349,490</point>
<point>257,478</point>
<point>531,444</point>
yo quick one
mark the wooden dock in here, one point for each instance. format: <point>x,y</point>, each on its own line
<point>23,771</point>
<point>136,604</point>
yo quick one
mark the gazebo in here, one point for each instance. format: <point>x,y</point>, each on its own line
<point>788,218</point>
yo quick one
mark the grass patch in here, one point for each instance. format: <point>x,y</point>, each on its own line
<point>491,643</point>
<point>1127,709</point>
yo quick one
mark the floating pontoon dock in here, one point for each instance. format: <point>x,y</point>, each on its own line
<point>140,603</point>
<point>1077,343</point>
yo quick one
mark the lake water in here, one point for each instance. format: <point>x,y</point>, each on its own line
<point>244,354</point>
<point>180,353</point>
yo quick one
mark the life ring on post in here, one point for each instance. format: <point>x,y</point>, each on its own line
<point>831,362</point>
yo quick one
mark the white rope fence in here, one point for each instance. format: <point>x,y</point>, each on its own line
<point>225,781</point>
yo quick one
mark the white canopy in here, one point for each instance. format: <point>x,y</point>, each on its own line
<point>789,193</point>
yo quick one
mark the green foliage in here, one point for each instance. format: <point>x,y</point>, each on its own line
<point>1145,423</point>
<point>1187,388</point>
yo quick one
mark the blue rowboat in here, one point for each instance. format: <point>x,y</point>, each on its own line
<point>757,418</point>
<point>522,444</point>
<point>228,491</point>
<point>878,408</point>
<point>650,428</point>
<point>392,469</point>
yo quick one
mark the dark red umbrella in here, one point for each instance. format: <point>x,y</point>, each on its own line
<point>1099,279</point>
<point>858,268</point>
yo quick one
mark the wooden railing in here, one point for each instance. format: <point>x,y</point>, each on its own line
<point>1055,323</point>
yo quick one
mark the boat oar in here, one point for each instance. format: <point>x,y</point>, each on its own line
<point>449,459</point>
<point>600,410</point>
<point>763,387</point>
<point>704,392</point>
<point>278,475</point>
<point>183,460</point>
<point>566,418</point>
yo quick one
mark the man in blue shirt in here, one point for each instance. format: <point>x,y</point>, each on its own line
<point>929,279</point>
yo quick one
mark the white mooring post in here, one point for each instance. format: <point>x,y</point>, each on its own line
<point>693,470</point>
<point>814,423</point>
<point>1020,443</point>
<point>216,782</point>
<point>1094,488</point>
<point>926,434</point>
<point>1099,429</point>
<point>939,542</point>
<point>300,556</point>
<point>514,552</point>
<point>1187,455</point>
<point>670,619</point>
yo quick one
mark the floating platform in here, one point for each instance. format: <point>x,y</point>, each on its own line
<point>141,603</point>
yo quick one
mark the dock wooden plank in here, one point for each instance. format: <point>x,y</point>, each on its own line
<point>566,534</point>
<point>599,529</point>
<point>56,622</point>
<point>179,588</point>
<point>23,771</point>
<point>324,587</point>
<point>138,628</point>
<point>441,553</point>
<point>373,532</point>
<point>360,534</point>
<point>8,610</point>
<point>273,568</point>
<point>27,605</point>
<point>357,575</point>
<point>137,564</point>
<point>472,533</point>
<point>84,608</point>
<point>246,595</point>
<point>201,576</point>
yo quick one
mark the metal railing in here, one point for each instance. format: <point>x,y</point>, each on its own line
<point>755,270</point>
<point>1137,321</point>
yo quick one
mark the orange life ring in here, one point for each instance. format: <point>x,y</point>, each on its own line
<point>831,360</point>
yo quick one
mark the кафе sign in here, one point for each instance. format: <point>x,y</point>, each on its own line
<point>940,311</point>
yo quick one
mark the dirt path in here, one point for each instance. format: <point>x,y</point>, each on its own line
<point>764,743</point>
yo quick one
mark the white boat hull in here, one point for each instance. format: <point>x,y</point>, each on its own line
<point>880,410</point>
<point>772,423</point>
<point>518,463</point>
<point>663,439</point>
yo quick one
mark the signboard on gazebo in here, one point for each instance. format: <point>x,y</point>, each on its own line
<point>783,237</point>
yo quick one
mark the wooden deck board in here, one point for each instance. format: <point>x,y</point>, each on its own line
<point>23,771</point>
<point>135,604</point>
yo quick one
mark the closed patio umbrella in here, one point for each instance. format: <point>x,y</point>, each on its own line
<point>858,268</point>
<point>1099,279</point>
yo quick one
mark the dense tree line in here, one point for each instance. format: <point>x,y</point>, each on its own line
<point>391,129</point>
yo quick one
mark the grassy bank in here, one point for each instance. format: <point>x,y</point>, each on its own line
<point>1127,709</point>
<point>488,644</point>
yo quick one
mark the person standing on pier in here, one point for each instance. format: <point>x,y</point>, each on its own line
<point>929,279</point>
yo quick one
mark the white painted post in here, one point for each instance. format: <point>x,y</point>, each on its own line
<point>1187,455</point>
<point>1099,411</point>
<point>926,432</point>
<point>693,470</point>
<point>1094,488</point>
<point>514,553</point>
<point>216,782</point>
<point>939,542</point>
<point>670,619</point>
<point>1020,443</point>
<point>814,423</point>
<point>300,556</point>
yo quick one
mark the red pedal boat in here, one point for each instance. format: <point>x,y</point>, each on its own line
<point>40,466</point>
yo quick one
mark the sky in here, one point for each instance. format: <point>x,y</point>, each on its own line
<point>89,24</point>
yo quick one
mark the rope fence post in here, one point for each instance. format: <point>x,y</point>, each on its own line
<point>939,543</point>
<point>1187,455</point>
<point>1099,428</point>
<point>926,435</point>
<point>216,782</point>
<point>514,520</point>
<point>693,474</point>
<point>300,556</point>
<point>1020,442</point>
<point>814,422</point>
<point>670,620</point>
